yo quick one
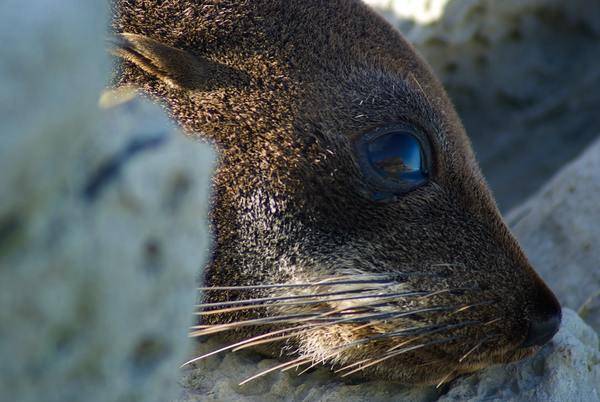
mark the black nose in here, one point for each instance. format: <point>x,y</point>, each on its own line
<point>542,330</point>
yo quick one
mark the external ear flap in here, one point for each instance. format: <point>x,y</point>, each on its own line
<point>171,65</point>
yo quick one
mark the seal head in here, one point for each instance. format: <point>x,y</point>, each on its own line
<point>352,224</point>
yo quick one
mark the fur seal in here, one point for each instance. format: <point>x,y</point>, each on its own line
<point>352,225</point>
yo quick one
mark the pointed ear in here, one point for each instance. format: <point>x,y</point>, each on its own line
<point>171,65</point>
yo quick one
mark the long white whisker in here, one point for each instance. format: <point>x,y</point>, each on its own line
<point>245,341</point>
<point>313,302</point>
<point>474,348</point>
<point>273,299</point>
<point>273,369</point>
<point>284,319</point>
<point>382,282</point>
<point>435,331</point>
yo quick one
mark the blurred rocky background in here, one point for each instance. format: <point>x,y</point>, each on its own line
<point>102,219</point>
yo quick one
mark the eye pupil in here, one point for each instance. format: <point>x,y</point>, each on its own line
<point>397,156</point>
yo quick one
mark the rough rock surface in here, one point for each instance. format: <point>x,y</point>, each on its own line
<point>523,75</point>
<point>559,229</point>
<point>567,369</point>
<point>102,219</point>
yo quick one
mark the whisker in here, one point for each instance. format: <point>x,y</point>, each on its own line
<point>253,339</point>
<point>309,367</point>
<point>393,334</point>
<point>437,308</point>
<point>269,320</point>
<point>322,360</point>
<point>296,318</point>
<point>401,351</point>
<point>429,363</point>
<point>265,305</point>
<point>259,337</point>
<point>439,292</point>
<point>473,349</point>
<point>283,319</point>
<point>271,299</point>
<point>325,282</point>
<point>353,365</point>
<point>363,308</point>
<point>406,342</point>
<point>308,360</point>
<point>437,330</point>
<point>493,321</point>
<point>339,349</point>
<point>405,331</point>
<point>388,315</point>
<point>245,341</point>
<point>313,302</point>
<point>268,340</point>
<point>377,303</point>
<point>414,330</point>
<point>469,306</point>
<point>351,314</point>
<point>446,377</point>
<point>449,265</point>
<point>279,366</point>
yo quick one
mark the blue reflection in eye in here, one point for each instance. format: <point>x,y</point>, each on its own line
<point>398,156</point>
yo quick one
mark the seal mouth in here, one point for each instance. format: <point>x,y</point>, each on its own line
<point>358,324</point>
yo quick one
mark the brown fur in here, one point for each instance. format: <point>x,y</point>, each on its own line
<point>282,88</point>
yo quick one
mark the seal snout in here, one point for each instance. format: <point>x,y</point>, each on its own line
<point>540,332</point>
<point>546,321</point>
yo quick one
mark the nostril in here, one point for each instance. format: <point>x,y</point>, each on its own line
<point>542,330</point>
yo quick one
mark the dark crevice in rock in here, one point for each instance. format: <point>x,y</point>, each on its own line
<point>110,170</point>
<point>180,187</point>
<point>152,256</point>
<point>148,354</point>
<point>10,226</point>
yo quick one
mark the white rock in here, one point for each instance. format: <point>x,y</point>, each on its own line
<point>102,220</point>
<point>559,229</point>
<point>420,11</point>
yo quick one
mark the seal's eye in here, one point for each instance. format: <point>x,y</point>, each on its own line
<point>395,160</point>
<point>397,156</point>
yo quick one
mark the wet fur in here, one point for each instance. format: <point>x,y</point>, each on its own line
<point>282,88</point>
